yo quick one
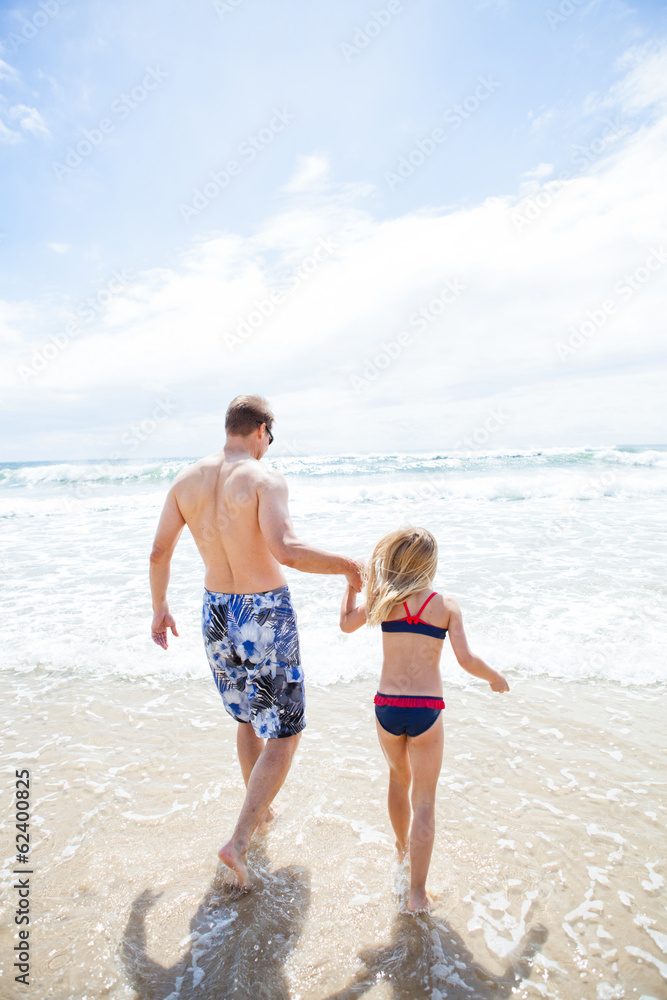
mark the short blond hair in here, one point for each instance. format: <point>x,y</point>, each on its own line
<point>245,413</point>
<point>402,563</point>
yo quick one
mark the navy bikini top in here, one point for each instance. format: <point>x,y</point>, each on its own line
<point>413,623</point>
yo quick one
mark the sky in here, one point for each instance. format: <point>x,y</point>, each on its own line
<point>412,225</point>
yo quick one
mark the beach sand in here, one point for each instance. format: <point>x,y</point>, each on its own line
<point>548,865</point>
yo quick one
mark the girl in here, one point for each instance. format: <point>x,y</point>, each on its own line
<point>414,621</point>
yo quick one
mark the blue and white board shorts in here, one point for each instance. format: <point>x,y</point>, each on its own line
<point>252,647</point>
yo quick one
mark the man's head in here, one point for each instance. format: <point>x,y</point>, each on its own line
<point>250,417</point>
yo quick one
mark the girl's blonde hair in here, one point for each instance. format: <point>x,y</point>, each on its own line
<point>403,563</point>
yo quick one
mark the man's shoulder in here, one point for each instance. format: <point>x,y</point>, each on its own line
<point>253,474</point>
<point>194,470</point>
<point>262,477</point>
<point>196,475</point>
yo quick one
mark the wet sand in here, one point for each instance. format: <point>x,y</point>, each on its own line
<point>549,861</point>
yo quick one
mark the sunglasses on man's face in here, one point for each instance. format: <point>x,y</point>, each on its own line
<point>267,431</point>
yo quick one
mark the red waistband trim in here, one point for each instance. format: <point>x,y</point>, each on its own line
<point>399,701</point>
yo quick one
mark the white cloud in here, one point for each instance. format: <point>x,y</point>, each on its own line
<point>7,72</point>
<point>645,84</point>
<point>9,136</point>
<point>12,317</point>
<point>30,119</point>
<point>310,174</point>
<point>542,120</point>
<point>59,247</point>
<point>540,171</point>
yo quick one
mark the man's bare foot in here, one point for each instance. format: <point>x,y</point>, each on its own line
<point>420,901</point>
<point>269,816</point>
<point>237,864</point>
<point>402,851</point>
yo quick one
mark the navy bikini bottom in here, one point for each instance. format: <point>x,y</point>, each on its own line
<point>404,716</point>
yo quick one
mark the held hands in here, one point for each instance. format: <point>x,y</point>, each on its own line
<point>162,621</point>
<point>499,683</point>
<point>353,575</point>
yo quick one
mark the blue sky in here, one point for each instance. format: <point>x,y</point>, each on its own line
<point>565,111</point>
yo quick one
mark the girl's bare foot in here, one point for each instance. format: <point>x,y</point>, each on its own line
<point>420,901</point>
<point>237,863</point>
<point>402,850</point>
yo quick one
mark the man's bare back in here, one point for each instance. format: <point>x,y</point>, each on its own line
<point>221,500</point>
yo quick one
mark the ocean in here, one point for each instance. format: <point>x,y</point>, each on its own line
<point>549,860</point>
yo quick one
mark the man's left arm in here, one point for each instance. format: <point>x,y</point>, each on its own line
<point>168,532</point>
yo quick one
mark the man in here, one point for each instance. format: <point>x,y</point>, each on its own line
<point>238,514</point>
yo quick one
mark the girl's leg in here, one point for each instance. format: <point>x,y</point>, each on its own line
<point>395,750</point>
<point>425,755</point>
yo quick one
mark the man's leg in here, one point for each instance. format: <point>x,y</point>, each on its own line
<point>249,747</point>
<point>265,781</point>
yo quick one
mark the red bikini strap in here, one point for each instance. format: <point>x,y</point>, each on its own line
<point>418,615</point>
<point>413,619</point>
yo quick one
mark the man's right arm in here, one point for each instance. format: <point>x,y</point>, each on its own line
<point>168,532</point>
<point>278,532</point>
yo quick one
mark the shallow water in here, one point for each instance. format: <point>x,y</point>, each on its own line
<point>548,865</point>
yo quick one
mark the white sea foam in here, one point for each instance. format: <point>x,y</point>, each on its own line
<point>556,557</point>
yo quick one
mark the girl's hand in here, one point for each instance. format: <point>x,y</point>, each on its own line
<point>351,616</point>
<point>499,684</point>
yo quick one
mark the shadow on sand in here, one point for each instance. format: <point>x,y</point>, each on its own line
<point>239,943</point>
<point>427,959</point>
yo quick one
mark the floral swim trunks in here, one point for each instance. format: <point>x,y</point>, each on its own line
<point>252,647</point>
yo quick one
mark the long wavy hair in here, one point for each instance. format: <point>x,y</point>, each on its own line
<point>403,563</point>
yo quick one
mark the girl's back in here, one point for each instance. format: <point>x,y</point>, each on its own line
<point>411,654</point>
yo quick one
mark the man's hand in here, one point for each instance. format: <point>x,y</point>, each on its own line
<point>162,620</point>
<point>353,575</point>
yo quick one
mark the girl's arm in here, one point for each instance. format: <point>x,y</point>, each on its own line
<point>351,616</point>
<point>475,665</point>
